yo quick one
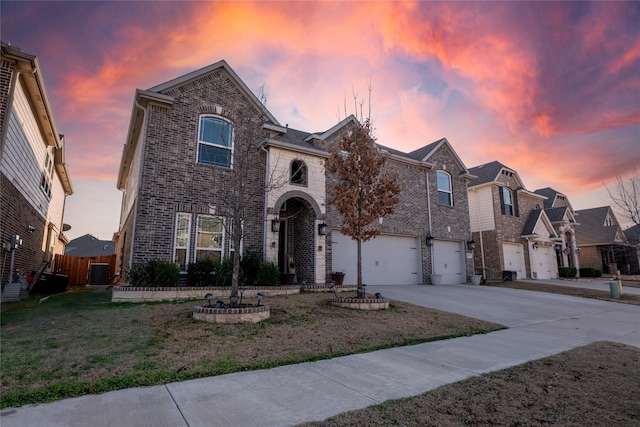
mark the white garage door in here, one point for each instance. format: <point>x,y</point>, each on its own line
<point>514,258</point>
<point>386,260</point>
<point>449,262</point>
<point>543,261</point>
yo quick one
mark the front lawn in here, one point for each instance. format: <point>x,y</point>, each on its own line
<point>80,342</point>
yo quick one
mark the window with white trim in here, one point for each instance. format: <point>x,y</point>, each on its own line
<point>298,172</point>
<point>181,242</point>
<point>47,175</point>
<point>507,200</point>
<point>209,238</point>
<point>445,195</point>
<point>215,141</point>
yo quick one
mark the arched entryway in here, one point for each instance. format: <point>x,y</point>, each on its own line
<point>298,214</point>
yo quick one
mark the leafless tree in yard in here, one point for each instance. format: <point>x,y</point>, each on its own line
<point>626,196</point>
<point>362,192</point>
<point>236,189</point>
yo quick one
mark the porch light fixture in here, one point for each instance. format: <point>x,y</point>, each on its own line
<point>322,229</point>
<point>578,251</point>
<point>429,239</point>
<point>535,245</point>
<point>275,225</point>
<point>471,244</point>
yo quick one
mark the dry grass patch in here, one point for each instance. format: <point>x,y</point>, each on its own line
<point>595,385</point>
<point>572,291</point>
<point>81,343</point>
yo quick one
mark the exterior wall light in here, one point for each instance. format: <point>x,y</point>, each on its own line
<point>322,229</point>
<point>471,244</point>
<point>535,245</point>
<point>275,225</point>
<point>429,239</point>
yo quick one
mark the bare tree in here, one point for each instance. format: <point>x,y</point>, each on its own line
<point>239,188</point>
<point>362,192</point>
<point>626,196</point>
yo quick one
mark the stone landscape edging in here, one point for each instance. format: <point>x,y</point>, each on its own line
<point>150,294</point>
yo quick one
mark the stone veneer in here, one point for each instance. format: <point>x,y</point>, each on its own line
<point>252,314</point>
<point>146,294</point>
<point>361,303</point>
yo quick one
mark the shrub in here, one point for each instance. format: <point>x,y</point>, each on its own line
<point>268,274</point>
<point>250,266</point>
<point>567,272</point>
<point>224,271</point>
<point>201,273</point>
<point>590,272</point>
<point>154,273</point>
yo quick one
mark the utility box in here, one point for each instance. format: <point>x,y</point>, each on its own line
<point>99,274</point>
<point>509,276</point>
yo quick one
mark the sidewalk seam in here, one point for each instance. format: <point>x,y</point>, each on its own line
<point>177,406</point>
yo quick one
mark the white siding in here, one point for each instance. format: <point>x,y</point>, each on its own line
<point>24,155</point>
<point>131,189</point>
<point>481,210</point>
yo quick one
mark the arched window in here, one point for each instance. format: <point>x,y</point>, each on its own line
<point>215,141</point>
<point>298,172</point>
<point>445,195</point>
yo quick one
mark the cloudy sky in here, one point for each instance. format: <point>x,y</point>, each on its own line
<point>550,89</point>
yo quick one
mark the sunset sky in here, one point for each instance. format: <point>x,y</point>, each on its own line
<point>550,89</point>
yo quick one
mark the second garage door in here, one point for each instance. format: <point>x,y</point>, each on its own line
<point>449,262</point>
<point>514,258</point>
<point>386,260</point>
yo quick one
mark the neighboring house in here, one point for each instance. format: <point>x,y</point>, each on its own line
<point>603,245</point>
<point>509,225</point>
<point>89,245</point>
<point>563,218</point>
<point>179,156</point>
<point>34,180</point>
<point>633,237</point>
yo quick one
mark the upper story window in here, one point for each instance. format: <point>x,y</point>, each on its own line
<point>215,141</point>
<point>445,196</point>
<point>507,201</point>
<point>298,172</point>
<point>47,175</point>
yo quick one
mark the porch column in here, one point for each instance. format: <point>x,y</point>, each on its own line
<point>574,254</point>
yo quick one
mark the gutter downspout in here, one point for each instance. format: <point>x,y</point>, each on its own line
<point>265,224</point>
<point>480,232</point>
<point>429,213</point>
<point>135,206</point>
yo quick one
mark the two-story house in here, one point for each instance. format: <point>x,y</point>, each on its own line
<point>603,245</point>
<point>513,234</point>
<point>186,149</point>
<point>563,218</point>
<point>34,180</point>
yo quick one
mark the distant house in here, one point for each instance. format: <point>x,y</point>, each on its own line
<point>633,237</point>
<point>34,180</point>
<point>563,218</point>
<point>182,147</point>
<point>513,234</point>
<point>89,245</point>
<point>603,244</point>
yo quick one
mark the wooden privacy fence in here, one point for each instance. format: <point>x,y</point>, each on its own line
<point>79,269</point>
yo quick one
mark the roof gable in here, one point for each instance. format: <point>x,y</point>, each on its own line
<point>594,228</point>
<point>423,154</point>
<point>490,172</point>
<point>538,218</point>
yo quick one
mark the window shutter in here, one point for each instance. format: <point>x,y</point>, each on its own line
<point>500,191</point>
<point>516,209</point>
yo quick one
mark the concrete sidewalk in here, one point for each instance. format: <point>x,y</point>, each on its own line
<point>540,324</point>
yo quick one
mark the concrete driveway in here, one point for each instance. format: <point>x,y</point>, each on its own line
<point>540,324</point>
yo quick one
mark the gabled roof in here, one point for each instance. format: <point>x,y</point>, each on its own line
<point>489,173</point>
<point>633,234</point>
<point>593,231</point>
<point>424,154</point>
<point>552,196</point>
<point>89,245</point>
<point>556,214</point>
<point>536,216</point>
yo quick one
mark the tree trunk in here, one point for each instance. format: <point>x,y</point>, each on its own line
<point>235,277</point>
<point>361,293</point>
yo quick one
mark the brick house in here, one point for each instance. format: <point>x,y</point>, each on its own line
<point>563,217</point>
<point>34,180</point>
<point>509,225</point>
<point>177,163</point>
<point>603,244</point>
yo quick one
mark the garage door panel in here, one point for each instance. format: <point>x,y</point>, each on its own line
<point>543,260</point>
<point>386,260</point>
<point>448,261</point>
<point>514,258</point>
